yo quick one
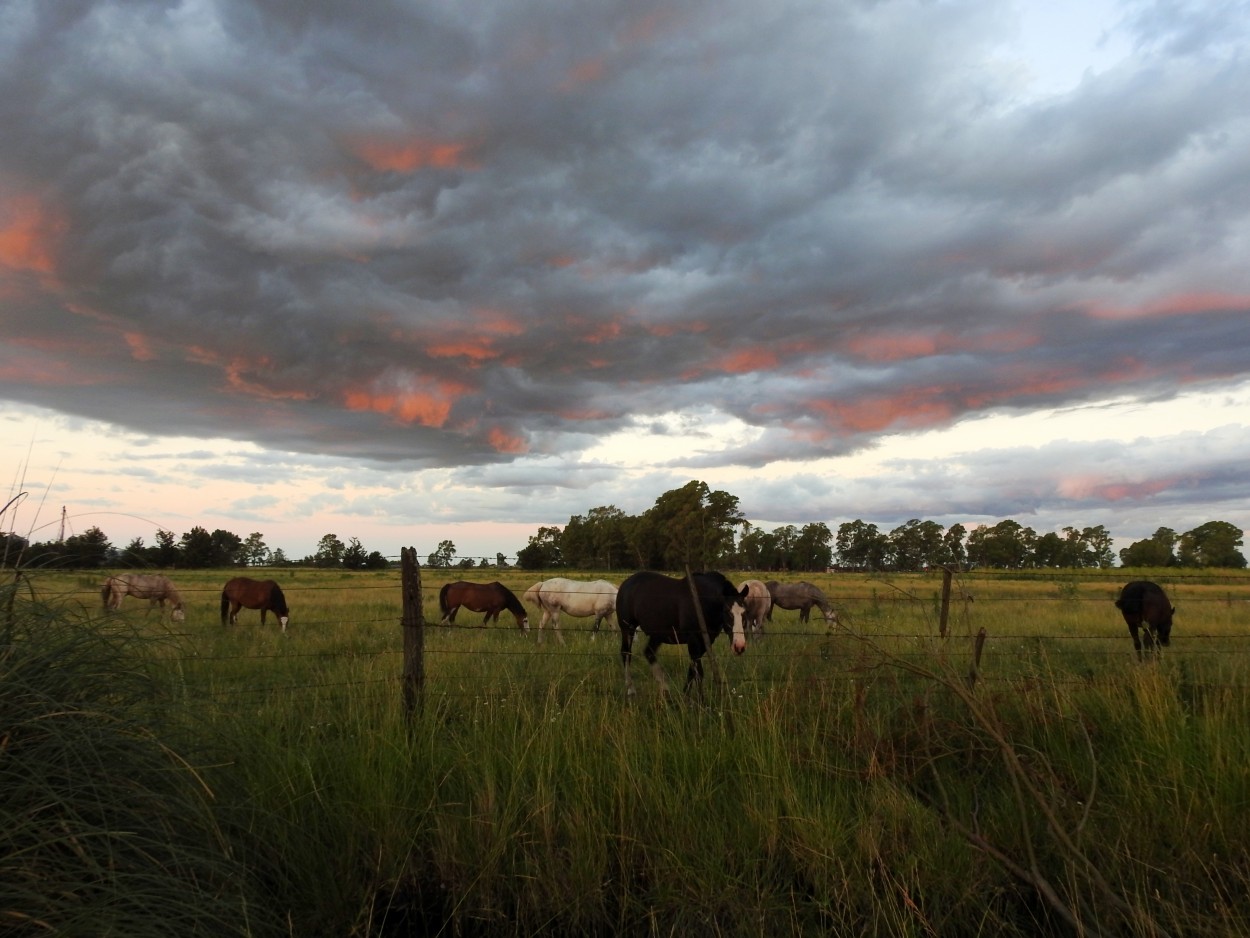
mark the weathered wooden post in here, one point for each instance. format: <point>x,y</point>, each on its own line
<point>413,624</point>
<point>946,601</point>
<point>974,672</point>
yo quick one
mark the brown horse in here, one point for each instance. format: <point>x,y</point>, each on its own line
<point>150,586</point>
<point>265,595</point>
<point>490,598</point>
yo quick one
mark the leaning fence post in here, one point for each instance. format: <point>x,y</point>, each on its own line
<point>413,623</point>
<point>946,601</point>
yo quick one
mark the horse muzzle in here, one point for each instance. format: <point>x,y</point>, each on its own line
<point>740,645</point>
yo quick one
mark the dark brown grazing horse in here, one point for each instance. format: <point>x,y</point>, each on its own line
<point>664,609</point>
<point>490,598</point>
<point>1144,605</point>
<point>243,592</point>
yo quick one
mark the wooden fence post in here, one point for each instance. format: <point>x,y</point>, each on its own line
<point>413,624</point>
<point>946,601</point>
<point>974,672</point>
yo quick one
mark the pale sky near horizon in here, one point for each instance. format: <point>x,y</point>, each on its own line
<point>411,274</point>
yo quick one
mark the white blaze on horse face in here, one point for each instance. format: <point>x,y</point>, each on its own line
<point>178,615</point>
<point>739,633</point>
<point>283,619</point>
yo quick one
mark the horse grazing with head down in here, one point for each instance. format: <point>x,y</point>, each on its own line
<point>489,598</point>
<point>801,596</point>
<point>577,598</point>
<point>759,605</point>
<point>1144,605</point>
<point>664,609</point>
<point>245,593</point>
<point>150,586</point>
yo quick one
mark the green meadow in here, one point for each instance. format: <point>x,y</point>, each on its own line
<point>871,778</point>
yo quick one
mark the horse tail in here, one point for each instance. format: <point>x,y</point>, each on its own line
<point>533,595</point>
<point>442,599</point>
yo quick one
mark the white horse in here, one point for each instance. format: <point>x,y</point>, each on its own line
<point>577,598</point>
<point>150,586</point>
<point>759,605</point>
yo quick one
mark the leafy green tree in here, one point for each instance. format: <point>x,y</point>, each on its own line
<point>196,548</point>
<point>442,556</point>
<point>915,545</point>
<point>254,549</point>
<point>166,551</point>
<point>1158,550</point>
<point>812,550</point>
<point>376,561</point>
<point>330,551</point>
<point>692,525</point>
<point>1213,544</point>
<point>953,550</point>
<point>861,546</point>
<point>227,548</point>
<point>543,552</point>
<point>1007,545</point>
<point>89,550</point>
<point>756,548</point>
<point>354,555</point>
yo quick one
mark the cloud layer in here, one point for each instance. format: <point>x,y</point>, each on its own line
<point>436,235</point>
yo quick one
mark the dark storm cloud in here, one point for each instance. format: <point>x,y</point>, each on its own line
<point>445,235</point>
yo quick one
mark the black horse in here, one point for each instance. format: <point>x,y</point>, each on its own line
<point>664,608</point>
<point>1144,604</point>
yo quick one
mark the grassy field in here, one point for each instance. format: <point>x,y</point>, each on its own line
<point>841,780</point>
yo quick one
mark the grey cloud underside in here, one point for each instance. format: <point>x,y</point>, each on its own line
<point>646,209</point>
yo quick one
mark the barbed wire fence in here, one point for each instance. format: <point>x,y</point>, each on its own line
<point>866,615</point>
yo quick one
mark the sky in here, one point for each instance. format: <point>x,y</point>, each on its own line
<point>413,271</point>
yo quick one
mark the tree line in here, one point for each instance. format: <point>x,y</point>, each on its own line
<point>698,527</point>
<point>692,526</point>
<point>196,549</point>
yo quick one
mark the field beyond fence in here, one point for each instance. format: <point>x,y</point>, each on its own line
<point>868,777</point>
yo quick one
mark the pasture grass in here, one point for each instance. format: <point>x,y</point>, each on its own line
<point>838,780</point>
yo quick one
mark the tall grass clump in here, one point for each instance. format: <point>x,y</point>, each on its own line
<point>104,828</point>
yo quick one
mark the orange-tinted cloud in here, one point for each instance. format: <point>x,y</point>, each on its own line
<point>238,379</point>
<point>505,442</point>
<point>476,349</point>
<point>1182,304</point>
<point>882,347</point>
<point>1101,489</point>
<point>408,156</point>
<point>916,407</point>
<point>744,361</point>
<point>426,409</point>
<point>29,234</point>
<point>586,72</point>
<point>140,346</point>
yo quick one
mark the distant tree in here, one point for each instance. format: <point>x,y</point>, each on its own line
<point>915,545</point>
<point>89,550</point>
<point>330,551</point>
<point>376,561</point>
<point>254,549</point>
<point>542,552</point>
<point>812,550</point>
<point>227,548</point>
<point>196,548</point>
<point>953,550</point>
<point>1213,544</point>
<point>1007,545</point>
<point>277,557</point>
<point>443,556</point>
<point>135,553</point>
<point>1156,551</point>
<point>12,547</point>
<point>500,561</point>
<point>861,545</point>
<point>757,548</point>
<point>466,563</point>
<point>166,551</point>
<point>690,526</point>
<point>354,556</point>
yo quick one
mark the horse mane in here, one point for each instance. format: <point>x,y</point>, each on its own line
<point>511,603</point>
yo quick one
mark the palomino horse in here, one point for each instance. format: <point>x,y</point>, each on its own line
<point>801,596</point>
<point>577,598</point>
<point>1144,605</point>
<point>759,605</point>
<point>245,593</point>
<point>490,598</point>
<point>664,608</point>
<point>150,586</point>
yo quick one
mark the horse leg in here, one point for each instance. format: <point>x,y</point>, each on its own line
<point>694,674</point>
<point>1132,630</point>
<point>627,654</point>
<point>555,626</point>
<point>649,652</point>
